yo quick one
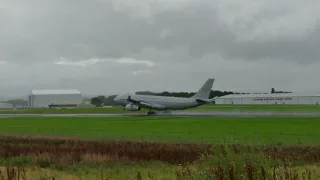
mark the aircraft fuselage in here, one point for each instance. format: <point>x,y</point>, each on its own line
<point>164,102</point>
<point>136,102</point>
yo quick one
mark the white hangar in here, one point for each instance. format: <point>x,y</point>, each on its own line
<point>276,98</point>
<point>5,105</point>
<point>47,98</point>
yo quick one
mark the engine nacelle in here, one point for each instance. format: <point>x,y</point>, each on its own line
<point>132,107</point>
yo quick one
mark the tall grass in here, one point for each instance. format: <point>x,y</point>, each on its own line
<point>191,161</point>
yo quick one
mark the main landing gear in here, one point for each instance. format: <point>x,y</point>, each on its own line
<point>150,112</point>
<point>166,112</point>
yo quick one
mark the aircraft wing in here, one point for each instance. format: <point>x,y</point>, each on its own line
<point>145,104</point>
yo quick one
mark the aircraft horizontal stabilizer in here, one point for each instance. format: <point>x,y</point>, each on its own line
<point>204,101</point>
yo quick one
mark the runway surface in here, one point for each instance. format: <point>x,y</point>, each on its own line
<point>175,114</point>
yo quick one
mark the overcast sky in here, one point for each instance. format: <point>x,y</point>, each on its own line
<point>116,46</point>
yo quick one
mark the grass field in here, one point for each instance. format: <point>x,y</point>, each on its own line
<point>204,108</point>
<point>214,130</point>
<point>242,148</point>
<point>257,108</point>
<point>249,148</point>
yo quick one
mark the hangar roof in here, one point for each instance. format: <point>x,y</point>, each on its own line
<point>267,95</point>
<point>55,91</point>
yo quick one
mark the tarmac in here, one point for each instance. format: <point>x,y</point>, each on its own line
<point>176,114</point>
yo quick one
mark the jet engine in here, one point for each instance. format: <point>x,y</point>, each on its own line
<point>132,107</point>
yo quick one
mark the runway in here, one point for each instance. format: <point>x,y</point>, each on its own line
<point>175,114</point>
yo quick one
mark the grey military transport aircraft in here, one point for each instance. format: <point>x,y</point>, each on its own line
<point>134,102</point>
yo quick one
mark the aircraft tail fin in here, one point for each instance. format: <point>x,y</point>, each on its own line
<point>205,90</point>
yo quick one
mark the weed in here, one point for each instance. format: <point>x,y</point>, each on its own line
<point>196,161</point>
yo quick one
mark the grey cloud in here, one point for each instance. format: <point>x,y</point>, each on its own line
<point>52,30</point>
<point>50,34</point>
<point>204,33</point>
<point>191,40</point>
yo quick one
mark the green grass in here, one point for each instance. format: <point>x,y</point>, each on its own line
<point>229,130</point>
<point>204,108</point>
<point>258,108</point>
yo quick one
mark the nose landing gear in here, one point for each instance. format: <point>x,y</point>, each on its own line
<point>166,112</point>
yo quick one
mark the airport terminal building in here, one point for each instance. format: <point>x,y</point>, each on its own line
<point>277,98</point>
<point>54,98</point>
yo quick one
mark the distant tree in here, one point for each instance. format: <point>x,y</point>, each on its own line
<point>273,91</point>
<point>17,102</point>
<point>186,94</point>
<point>219,93</point>
<point>98,101</point>
<point>166,93</point>
<point>109,101</point>
<point>103,101</point>
<point>145,93</point>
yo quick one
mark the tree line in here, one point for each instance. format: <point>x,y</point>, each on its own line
<point>273,91</point>
<point>185,94</point>
<point>101,101</point>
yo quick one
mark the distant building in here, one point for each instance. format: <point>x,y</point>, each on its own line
<point>54,98</point>
<point>5,105</point>
<point>277,98</point>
